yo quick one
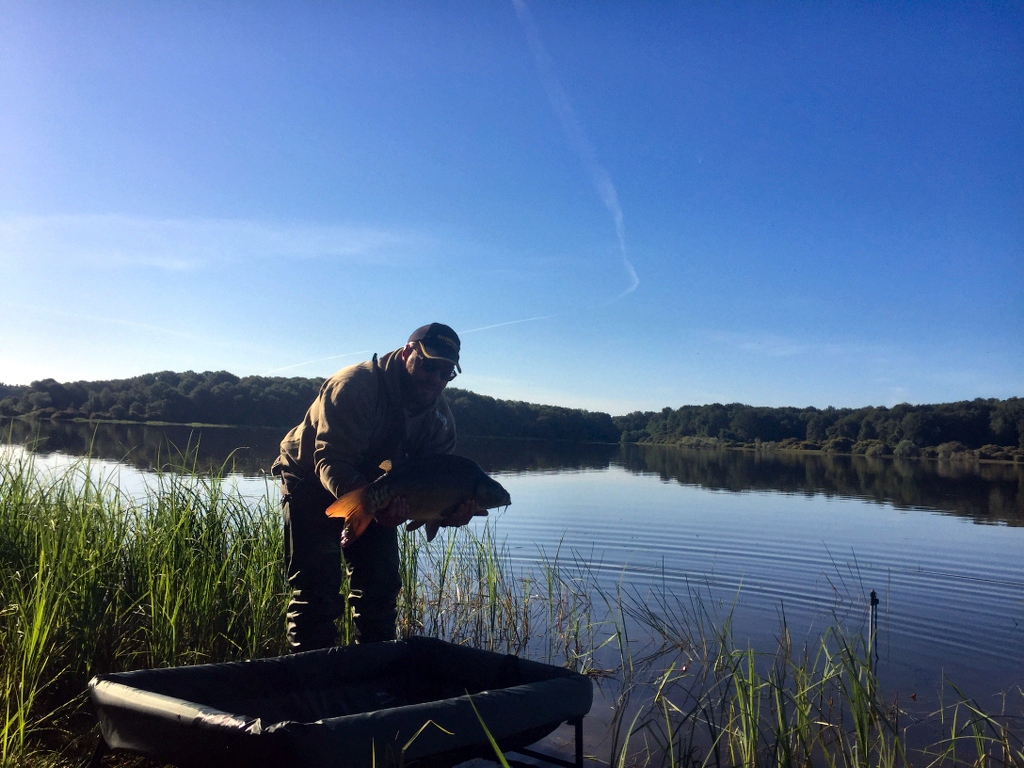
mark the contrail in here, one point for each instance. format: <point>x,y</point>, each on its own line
<point>318,360</point>
<point>510,322</point>
<point>599,176</point>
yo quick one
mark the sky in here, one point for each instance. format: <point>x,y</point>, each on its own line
<point>618,206</point>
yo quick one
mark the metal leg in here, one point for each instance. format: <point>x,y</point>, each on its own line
<point>552,760</point>
<point>98,753</point>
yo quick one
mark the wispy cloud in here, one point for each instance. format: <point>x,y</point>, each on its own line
<point>90,319</point>
<point>577,137</point>
<point>318,360</point>
<point>113,241</point>
<point>509,322</point>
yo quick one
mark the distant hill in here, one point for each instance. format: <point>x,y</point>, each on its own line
<point>989,428</point>
<point>213,397</point>
<point>485,416</point>
<point>904,429</point>
<point>219,397</point>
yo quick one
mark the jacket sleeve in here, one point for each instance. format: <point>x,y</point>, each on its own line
<point>343,428</point>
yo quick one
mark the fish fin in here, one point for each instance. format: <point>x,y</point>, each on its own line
<point>352,509</point>
<point>386,465</point>
<point>412,525</point>
<point>432,528</point>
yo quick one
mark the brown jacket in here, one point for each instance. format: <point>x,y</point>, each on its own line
<point>357,421</point>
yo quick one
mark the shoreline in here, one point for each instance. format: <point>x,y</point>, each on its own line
<point>960,454</point>
<point>926,453</point>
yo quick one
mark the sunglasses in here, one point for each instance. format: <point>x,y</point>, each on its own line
<point>442,369</point>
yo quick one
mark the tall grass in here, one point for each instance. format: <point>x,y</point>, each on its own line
<point>464,588</point>
<point>729,706</point>
<point>93,579</point>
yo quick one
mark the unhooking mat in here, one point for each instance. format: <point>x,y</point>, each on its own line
<point>349,707</point>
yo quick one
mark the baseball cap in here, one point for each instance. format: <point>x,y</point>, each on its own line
<point>438,341</point>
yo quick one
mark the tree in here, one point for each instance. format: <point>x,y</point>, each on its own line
<point>817,426</point>
<point>920,428</point>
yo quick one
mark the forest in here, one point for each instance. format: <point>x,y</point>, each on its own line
<point>993,429</point>
<point>990,428</point>
<point>258,401</point>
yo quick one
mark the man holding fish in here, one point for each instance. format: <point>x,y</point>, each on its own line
<point>387,414</point>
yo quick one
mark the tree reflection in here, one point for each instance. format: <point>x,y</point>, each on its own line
<point>983,492</point>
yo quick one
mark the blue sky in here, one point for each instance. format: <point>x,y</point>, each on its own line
<point>618,205</point>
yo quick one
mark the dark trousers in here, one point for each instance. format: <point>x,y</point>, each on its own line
<point>313,563</point>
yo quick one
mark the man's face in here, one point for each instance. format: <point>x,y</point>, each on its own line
<point>427,378</point>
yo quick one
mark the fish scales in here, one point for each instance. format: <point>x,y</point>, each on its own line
<point>433,487</point>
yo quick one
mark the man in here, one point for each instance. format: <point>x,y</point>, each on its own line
<point>390,409</point>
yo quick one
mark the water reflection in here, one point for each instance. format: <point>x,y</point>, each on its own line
<point>985,493</point>
<point>246,451</point>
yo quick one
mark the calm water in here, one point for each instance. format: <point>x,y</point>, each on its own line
<point>766,535</point>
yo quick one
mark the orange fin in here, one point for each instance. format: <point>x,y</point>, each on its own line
<point>352,508</point>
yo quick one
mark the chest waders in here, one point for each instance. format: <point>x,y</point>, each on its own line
<point>313,555</point>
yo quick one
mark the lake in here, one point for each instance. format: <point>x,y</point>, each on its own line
<point>767,537</point>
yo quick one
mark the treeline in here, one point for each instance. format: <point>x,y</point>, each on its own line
<point>259,401</point>
<point>213,397</point>
<point>989,426</point>
<point>484,416</point>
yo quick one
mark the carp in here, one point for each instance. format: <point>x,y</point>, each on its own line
<point>433,487</point>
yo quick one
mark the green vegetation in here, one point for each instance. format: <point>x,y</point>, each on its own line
<point>975,429</point>
<point>92,580</point>
<point>723,705</point>
<point>187,398</point>
<point>483,416</point>
<point>983,429</point>
<point>187,571</point>
<point>260,401</point>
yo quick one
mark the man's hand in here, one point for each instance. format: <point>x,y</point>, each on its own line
<point>394,514</point>
<point>463,513</point>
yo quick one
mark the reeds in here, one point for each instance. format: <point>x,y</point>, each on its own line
<point>463,588</point>
<point>94,580</point>
<point>189,570</point>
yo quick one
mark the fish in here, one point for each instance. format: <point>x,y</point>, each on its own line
<point>433,487</point>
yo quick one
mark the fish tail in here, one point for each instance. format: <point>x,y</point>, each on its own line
<point>432,528</point>
<point>354,510</point>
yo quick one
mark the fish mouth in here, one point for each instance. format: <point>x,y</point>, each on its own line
<point>495,500</point>
<point>490,493</point>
